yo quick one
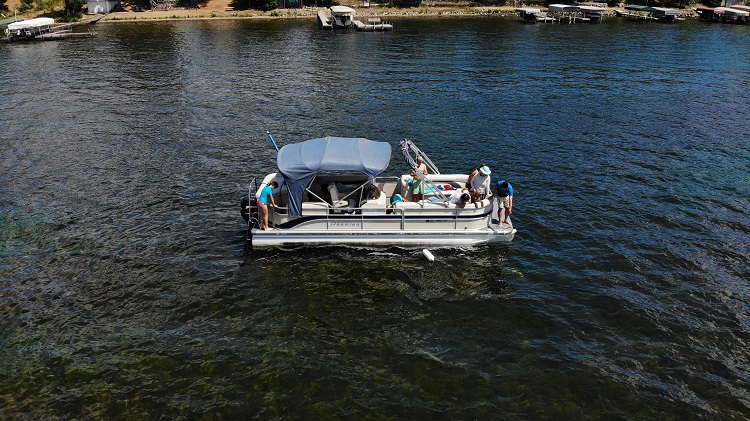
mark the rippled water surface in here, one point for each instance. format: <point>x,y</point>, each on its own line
<point>125,290</point>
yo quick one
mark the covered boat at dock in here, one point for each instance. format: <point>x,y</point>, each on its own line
<point>724,14</point>
<point>575,13</point>
<point>342,17</point>
<point>647,13</point>
<point>332,191</point>
<point>28,29</point>
<point>532,15</point>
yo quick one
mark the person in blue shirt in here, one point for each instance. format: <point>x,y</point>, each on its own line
<point>265,199</point>
<point>504,194</point>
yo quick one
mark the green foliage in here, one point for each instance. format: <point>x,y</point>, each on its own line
<point>405,3</point>
<point>25,6</point>
<point>3,6</point>
<point>268,4</point>
<point>255,4</point>
<point>73,9</point>
<point>47,5</point>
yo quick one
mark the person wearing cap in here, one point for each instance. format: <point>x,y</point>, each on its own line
<point>474,172</point>
<point>417,186</point>
<point>504,194</point>
<point>481,181</point>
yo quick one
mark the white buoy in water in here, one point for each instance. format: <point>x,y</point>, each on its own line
<point>428,255</point>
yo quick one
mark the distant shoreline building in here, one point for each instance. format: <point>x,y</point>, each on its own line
<point>98,7</point>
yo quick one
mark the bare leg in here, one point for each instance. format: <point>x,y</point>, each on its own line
<point>263,216</point>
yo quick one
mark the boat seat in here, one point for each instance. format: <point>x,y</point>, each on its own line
<point>429,206</point>
<point>335,198</point>
<point>315,208</point>
<point>435,178</point>
<point>484,203</point>
<point>375,205</point>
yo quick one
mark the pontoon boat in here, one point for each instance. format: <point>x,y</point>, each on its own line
<point>332,191</point>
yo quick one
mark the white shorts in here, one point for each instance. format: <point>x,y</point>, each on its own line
<point>503,202</point>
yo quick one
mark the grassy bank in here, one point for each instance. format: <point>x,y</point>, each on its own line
<point>222,9</point>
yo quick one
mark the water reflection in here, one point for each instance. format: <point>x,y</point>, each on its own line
<point>125,288</point>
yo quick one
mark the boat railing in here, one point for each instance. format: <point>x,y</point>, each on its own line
<point>358,215</point>
<point>251,190</point>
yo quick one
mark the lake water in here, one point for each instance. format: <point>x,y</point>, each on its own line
<point>125,290</point>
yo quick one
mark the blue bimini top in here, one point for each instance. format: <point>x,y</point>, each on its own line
<point>300,162</point>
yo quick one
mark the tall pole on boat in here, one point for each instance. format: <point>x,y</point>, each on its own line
<point>272,141</point>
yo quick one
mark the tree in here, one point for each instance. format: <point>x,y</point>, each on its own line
<point>3,6</point>
<point>73,9</point>
<point>25,6</point>
<point>406,3</point>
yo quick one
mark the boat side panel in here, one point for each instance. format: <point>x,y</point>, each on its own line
<point>265,239</point>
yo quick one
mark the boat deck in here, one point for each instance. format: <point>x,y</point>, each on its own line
<point>53,36</point>
<point>373,24</point>
<point>323,19</point>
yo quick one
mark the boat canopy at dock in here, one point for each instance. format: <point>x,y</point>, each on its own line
<point>31,23</point>
<point>342,10</point>
<point>732,11</point>
<point>300,162</point>
<point>562,8</point>
<point>656,11</point>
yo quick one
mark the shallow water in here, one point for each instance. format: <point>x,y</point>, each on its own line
<point>125,291</point>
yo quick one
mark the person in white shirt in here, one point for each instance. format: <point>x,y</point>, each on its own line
<point>481,182</point>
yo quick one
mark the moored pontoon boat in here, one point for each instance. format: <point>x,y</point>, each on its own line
<point>28,29</point>
<point>532,15</point>
<point>332,191</point>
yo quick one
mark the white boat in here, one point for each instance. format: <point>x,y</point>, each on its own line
<point>27,29</point>
<point>532,15</point>
<point>562,8</point>
<point>373,24</point>
<point>638,12</point>
<point>332,191</point>
<point>732,15</point>
<point>591,13</point>
<point>342,16</point>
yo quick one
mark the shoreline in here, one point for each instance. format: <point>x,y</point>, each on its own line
<point>210,12</point>
<point>222,9</point>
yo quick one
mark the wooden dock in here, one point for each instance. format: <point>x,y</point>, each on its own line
<point>323,19</point>
<point>373,24</point>
<point>64,34</point>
